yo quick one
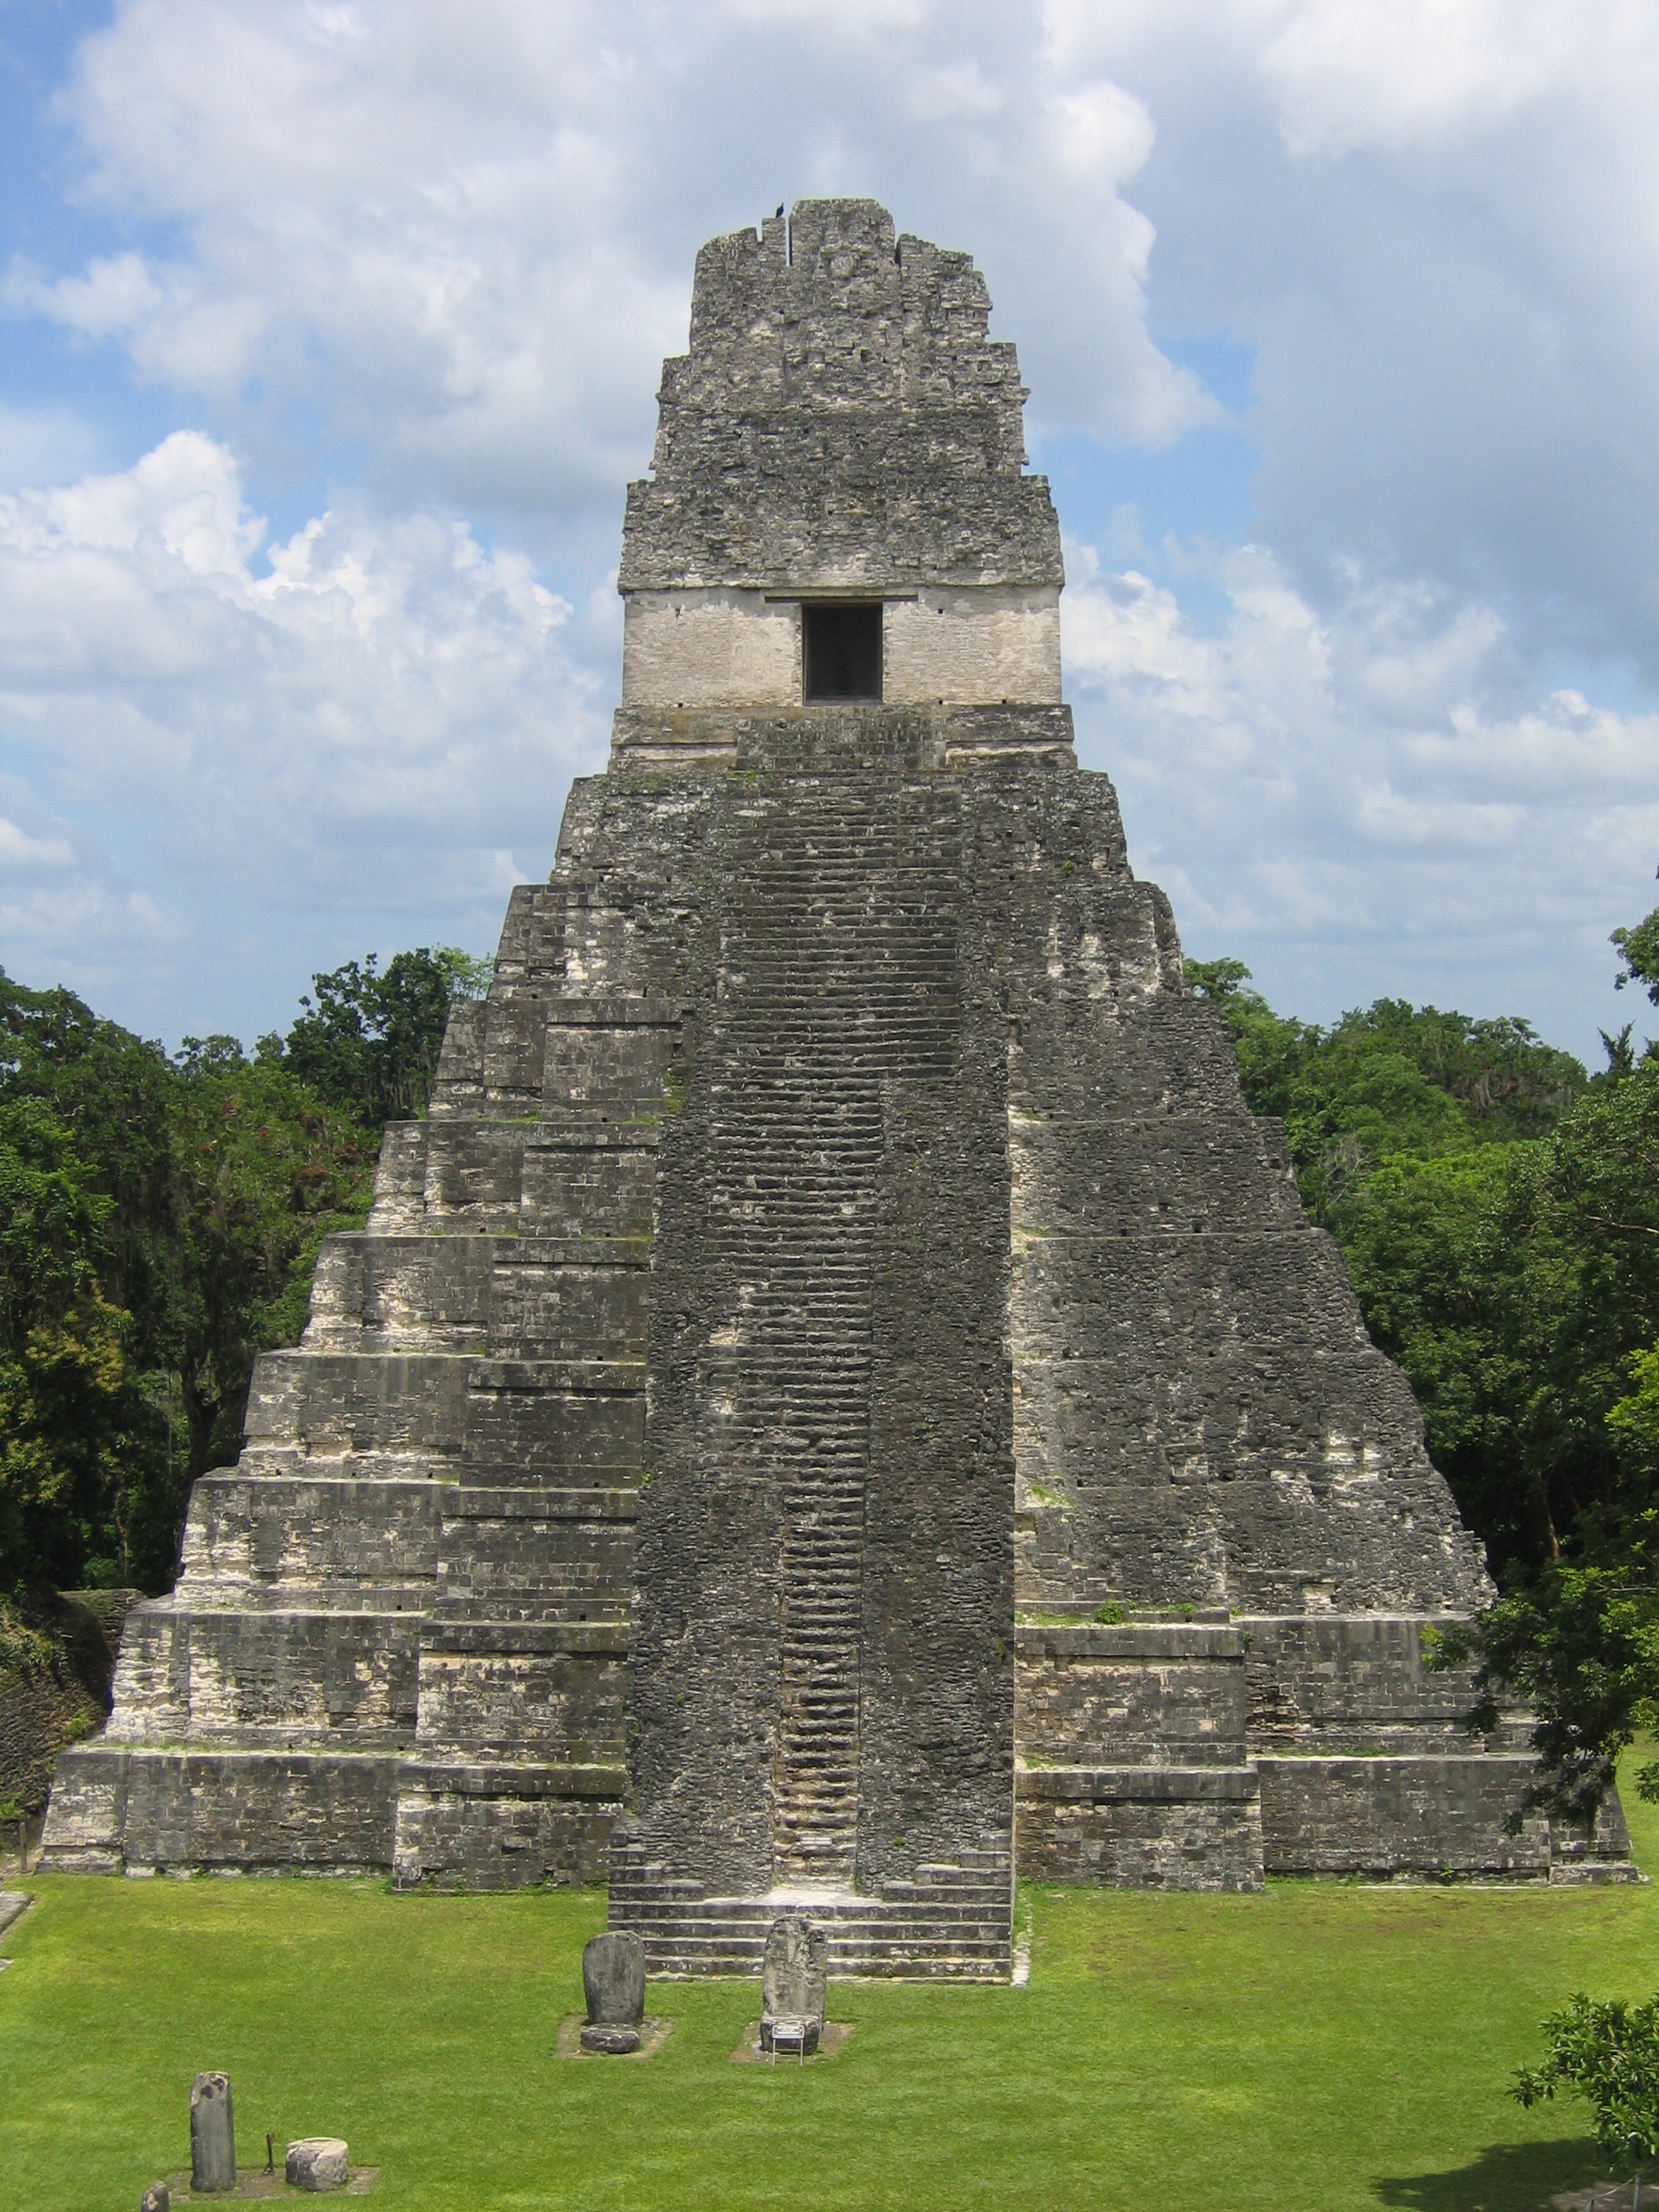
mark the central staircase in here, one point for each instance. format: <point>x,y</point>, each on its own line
<point>837,978</point>
<point>948,1922</point>
<point>832,1009</point>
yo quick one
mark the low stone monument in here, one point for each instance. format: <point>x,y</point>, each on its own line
<point>158,2197</point>
<point>794,1970</point>
<point>613,1981</point>
<point>317,2163</point>
<point>212,2133</point>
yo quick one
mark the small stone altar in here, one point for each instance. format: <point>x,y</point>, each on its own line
<point>316,2164</point>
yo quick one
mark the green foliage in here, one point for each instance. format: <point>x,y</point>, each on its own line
<point>1634,1419</point>
<point>1608,2054</point>
<point>1639,953</point>
<point>371,1041</point>
<point>159,1220</point>
<point>1390,1084</point>
<point>1499,1214</point>
<point>1579,1646</point>
<point>26,1649</point>
<point>77,1428</point>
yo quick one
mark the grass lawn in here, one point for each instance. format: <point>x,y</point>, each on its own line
<point>1318,2047</point>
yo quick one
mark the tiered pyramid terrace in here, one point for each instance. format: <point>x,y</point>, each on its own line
<point>839,1402</point>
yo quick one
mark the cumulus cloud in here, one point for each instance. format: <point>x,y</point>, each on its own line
<point>19,853</point>
<point>1328,793</point>
<point>1350,72</point>
<point>370,725</point>
<point>1425,220</point>
<point>1102,131</point>
<point>445,250</point>
<point>469,241</point>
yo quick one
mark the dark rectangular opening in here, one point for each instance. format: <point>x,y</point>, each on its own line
<point>842,647</point>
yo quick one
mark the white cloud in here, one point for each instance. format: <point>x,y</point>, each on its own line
<point>117,295</point>
<point>1345,796</point>
<point>18,850</point>
<point>360,725</point>
<point>952,89</point>
<point>1103,132</point>
<point>469,242</point>
<point>1353,72</point>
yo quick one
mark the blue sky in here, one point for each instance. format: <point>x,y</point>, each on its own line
<point>329,337</point>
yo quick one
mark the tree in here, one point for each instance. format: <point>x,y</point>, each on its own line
<point>1608,2054</point>
<point>76,1423</point>
<point>1637,947</point>
<point>263,1171</point>
<point>1499,1213</point>
<point>160,1218</point>
<point>158,1221</point>
<point>1579,1647</point>
<point>370,1043</point>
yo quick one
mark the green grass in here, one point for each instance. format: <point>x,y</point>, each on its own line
<point>1318,2047</point>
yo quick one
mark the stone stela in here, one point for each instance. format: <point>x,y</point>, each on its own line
<point>613,1983</point>
<point>794,1975</point>
<point>838,1402</point>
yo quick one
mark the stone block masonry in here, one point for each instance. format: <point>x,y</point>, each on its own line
<point>837,1401</point>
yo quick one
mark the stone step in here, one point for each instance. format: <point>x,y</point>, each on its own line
<point>660,1900</point>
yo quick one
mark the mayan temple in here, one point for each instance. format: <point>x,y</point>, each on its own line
<point>839,1399</point>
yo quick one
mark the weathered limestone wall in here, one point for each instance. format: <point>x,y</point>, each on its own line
<point>969,647</point>
<point>1134,1766</point>
<point>936,1720</point>
<point>400,1638</point>
<point>119,1809</point>
<point>838,356</point>
<point>972,647</point>
<point>821,1663</point>
<point>710,648</point>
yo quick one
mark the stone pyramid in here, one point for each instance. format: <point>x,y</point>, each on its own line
<point>838,1400</point>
